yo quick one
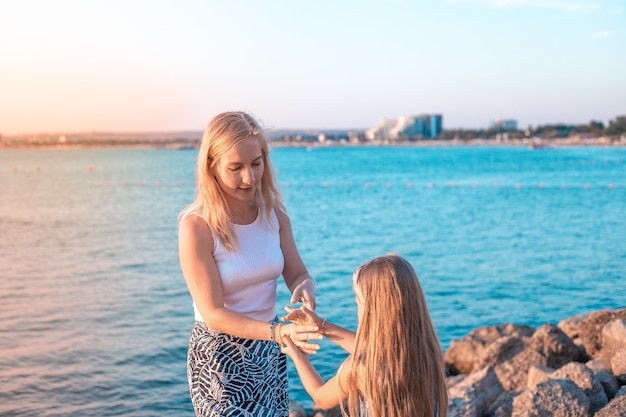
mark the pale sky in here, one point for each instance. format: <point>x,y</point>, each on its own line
<point>156,65</point>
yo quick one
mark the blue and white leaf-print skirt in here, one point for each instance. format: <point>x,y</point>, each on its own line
<point>233,376</point>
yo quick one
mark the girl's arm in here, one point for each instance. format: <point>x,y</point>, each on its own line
<point>326,395</point>
<point>343,338</point>
<point>297,278</point>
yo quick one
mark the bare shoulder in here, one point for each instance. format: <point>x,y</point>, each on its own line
<point>194,228</point>
<point>282,216</point>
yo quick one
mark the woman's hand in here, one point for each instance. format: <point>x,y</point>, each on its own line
<point>300,335</point>
<point>305,293</point>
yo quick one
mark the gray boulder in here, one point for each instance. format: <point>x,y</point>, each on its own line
<point>552,398</point>
<point>462,355</point>
<point>585,379</point>
<point>512,358</point>
<point>591,328</point>
<point>503,406</point>
<point>474,395</point>
<point>618,365</point>
<point>556,346</point>
<point>616,408</point>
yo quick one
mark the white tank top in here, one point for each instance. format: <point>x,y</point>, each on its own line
<point>249,275</point>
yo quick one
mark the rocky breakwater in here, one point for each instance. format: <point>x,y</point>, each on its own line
<point>576,368</point>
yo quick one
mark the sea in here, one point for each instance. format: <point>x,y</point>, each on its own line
<point>95,314</point>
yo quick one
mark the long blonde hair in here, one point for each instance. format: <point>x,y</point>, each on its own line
<point>224,132</point>
<point>397,368</point>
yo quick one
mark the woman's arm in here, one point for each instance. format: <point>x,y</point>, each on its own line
<point>195,248</point>
<point>297,278</point>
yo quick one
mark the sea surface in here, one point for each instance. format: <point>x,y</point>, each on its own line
<point>94,311</point>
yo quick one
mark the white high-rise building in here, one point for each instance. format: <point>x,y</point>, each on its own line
<point>411,127</point>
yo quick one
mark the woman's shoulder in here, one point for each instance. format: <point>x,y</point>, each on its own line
<point>191,222</point>
<point>281,215</point>
<point>191,212</point>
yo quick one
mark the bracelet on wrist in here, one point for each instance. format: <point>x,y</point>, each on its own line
<point>322,327</point>
<point>278,337</point>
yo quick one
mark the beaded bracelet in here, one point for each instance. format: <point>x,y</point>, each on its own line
<point>272,331</point>
<point>279,337</point>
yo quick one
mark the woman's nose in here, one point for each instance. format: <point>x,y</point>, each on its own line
<point>248,176</point>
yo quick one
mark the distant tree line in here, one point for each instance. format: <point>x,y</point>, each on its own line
<point>615,129</point>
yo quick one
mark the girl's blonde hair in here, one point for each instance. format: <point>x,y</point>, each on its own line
<point>224,132</point>
<point>397,369</point>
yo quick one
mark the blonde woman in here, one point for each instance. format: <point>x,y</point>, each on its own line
<point>395,367</point>
<point>235,241</point>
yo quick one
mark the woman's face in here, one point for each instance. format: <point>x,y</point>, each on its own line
<point>239,171</point>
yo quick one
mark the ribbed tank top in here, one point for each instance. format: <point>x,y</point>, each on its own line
<point>249,275</point>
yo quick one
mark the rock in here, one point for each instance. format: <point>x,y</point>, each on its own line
<point>591,328</point>
<point>503,406</point>
<point>455,379</point>
<point>463,354</point>
<point>616,408</point>
<point>474,395</point>
<point>333,412</point>
<point>585,379</point>
<point>613,339</point>
<point>537,373</point>
<point>296,409</point>
<point>517,371</point>
<point>618,365</point>
<point>511,358</point>
<point>552,398</point>
<point>571,326</point>
<point>556,346</point>
<point>603,375</point>
<point>597,365</point>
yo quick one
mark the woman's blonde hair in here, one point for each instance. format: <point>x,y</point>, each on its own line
<point>397,369</point>
<point>224,132</point>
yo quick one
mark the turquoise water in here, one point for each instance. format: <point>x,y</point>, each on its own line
<point>95,315</point>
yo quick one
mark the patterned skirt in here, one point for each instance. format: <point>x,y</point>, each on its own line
<point>233,376</point>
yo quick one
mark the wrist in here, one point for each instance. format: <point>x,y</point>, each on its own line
<point>322,327</point>
<point>303,281</point>
<point>276,335</point>
<point>272,332</point>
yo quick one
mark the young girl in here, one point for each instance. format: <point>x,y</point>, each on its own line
<point>395,367</point>
<point>235,241</point>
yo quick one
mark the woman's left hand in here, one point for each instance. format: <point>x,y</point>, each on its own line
<point>301,335</point>
<point>305,293</point>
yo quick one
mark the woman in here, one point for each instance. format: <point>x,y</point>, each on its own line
<point>235,241</point>
<point>395,367</point>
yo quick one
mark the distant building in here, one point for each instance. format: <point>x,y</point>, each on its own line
<point>504,124</point>
<point>406,127</point>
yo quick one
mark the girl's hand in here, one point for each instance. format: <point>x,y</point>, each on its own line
<point>302,316</point>
<point>305,293</point>
<point>289,348</point>
<point>300,336</point>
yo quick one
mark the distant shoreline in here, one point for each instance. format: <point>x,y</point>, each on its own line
<point>183,144</point>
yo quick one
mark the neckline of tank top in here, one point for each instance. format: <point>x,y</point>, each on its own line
<point>258,212</point>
